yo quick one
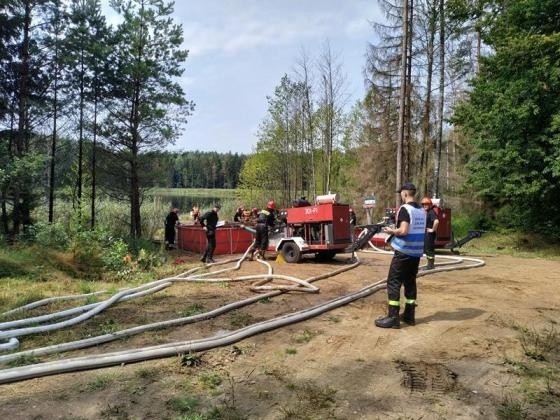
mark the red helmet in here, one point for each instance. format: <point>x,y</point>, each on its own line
<point>271,205</point>
<point>426,200</point>
<point>350,210</point>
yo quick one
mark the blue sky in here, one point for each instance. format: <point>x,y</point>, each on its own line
<point>240,49</point>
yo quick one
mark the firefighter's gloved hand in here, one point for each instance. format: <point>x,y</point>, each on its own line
<point>204,228</point>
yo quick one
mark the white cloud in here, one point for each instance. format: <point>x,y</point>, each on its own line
<point>233,33</point>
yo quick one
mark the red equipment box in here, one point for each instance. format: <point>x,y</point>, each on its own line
<point>334,218</point>
<point>229,239</point>
<point>319,213</point>
<point>444,233</point>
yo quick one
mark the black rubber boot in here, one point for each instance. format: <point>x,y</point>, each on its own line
<point>408,314</point>
<point>203,258</point>
<point>391,320</point>
<point>431,264</point>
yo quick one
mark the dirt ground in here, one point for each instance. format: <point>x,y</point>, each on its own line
<point>461,361</point>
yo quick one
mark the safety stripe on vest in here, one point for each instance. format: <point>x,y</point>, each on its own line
<point>394,303</point>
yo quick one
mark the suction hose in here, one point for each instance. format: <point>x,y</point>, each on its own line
<point>166,350</point>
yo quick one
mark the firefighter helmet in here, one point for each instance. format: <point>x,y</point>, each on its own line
<point>426,200</point>
<point>271,205</point>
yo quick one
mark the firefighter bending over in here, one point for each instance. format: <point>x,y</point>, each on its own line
<point>265,220</point>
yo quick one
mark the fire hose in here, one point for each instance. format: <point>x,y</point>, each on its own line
<point>171,349</point>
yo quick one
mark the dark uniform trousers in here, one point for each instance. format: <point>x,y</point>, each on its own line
<point>403,271</point>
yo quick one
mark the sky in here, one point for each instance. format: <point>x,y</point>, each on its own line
<point>240,49</point>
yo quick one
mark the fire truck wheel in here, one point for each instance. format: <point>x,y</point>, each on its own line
<point>291,252</point>
<point>325,255</point>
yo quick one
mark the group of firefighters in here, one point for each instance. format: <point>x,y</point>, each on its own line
<point>412,236</point>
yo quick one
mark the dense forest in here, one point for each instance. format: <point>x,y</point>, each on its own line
<point>462,98</point>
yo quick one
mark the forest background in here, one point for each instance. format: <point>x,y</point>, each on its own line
<point>464,93</point>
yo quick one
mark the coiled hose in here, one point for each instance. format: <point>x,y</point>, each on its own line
<point>171,349</point>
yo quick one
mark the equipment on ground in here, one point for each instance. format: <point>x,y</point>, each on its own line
<point>323,229</point>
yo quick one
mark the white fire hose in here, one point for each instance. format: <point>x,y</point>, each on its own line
<point>172,349</point>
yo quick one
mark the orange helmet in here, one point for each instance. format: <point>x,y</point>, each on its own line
<point>271,205</point>
<point>426,200</point>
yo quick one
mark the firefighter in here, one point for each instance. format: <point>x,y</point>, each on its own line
<point>171,221</point>
<point>195,214</point>
<point>353,218</point>
<point>407,239</point>
<point>246,216</point>
<point>238,216</point>
<point>265,220</point>
<point>209,222</point>
<point>432,223</point>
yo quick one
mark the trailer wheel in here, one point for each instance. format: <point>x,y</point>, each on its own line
<point>291,252</point>
<point>325,255</point>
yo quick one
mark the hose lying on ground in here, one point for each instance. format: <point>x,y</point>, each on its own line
<point>166,350</point>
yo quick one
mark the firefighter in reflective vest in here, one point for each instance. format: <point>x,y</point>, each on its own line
<point>265,220</point>
<point>407,239</point>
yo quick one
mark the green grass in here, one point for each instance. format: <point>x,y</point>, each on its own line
<point>210,380</point>
<point>195,192</point>
<point>305,336</point>
<point>101,382</point>
<point>511,409</point>
<point>193,309</point>
<point>512,243</point>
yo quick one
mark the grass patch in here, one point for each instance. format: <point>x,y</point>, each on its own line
<point>24,361</point>
<point>239,319</point>
<point>538,392</point>
<point>100,383</point>
<point>517,244</point>
<point>540,345</point>
<point>305,336</point>
<point>291,351</point>
<point>185,405</point>
<point>511,409</point>
<point>147,373</point>
<point>210,381</point>
<point>193,309</point>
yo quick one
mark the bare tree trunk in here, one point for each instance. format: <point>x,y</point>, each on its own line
<point>439,139</point>
<point>426,117</point>
<point>402,102</point>
<point>81,137</point>
<point>408,101</point>
<point>53,143</point>
<point>94,160</point>
<point>21,206</point>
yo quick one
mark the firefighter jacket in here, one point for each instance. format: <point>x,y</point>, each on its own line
<point>412,244</point>
<point>209,219</point>
<point>266,216</point>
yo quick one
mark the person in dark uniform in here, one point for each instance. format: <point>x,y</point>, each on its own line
<point>407,239</point>
<point>432,223</point>
<point>171,221</point>
<point>353,218</point>
<point>238,216</point>
<point>209,222</point>
<point>265,220</point>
